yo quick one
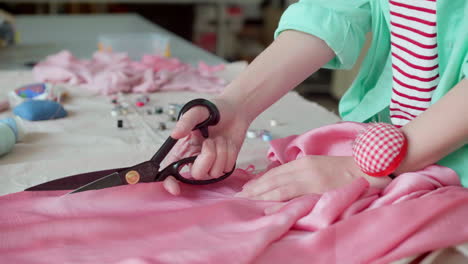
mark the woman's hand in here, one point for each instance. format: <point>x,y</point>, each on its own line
<point>310,174</point>
<point>218,153</point>
<point>270,76</point>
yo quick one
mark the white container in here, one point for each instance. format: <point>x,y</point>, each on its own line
<point>35,91</point>
<point>135,44</point>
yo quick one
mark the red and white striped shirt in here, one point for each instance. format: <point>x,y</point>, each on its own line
<point>415,63</point>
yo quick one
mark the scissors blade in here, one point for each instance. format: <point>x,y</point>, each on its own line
<point>102,183</point>
<point>72,182</point>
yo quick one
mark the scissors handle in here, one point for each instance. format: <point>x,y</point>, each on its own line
<point>174,170</point>
<point>212,120</point>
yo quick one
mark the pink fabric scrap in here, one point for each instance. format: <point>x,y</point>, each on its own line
<point>110,73</point>
<point>417,212</point>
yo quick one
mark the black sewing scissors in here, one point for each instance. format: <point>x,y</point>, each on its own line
<point>147,171</point>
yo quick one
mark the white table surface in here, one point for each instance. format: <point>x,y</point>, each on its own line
<point>88,139</point>
<point>42,35</point>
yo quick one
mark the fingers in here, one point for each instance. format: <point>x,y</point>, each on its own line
<point>271,180</point>
<point>231,156</point>
<point>171,185</point>
<point>282,193</point>
<point>205,160</point>
<point>217,157</point>
<point>221,157</point>
<point>188,121</point>
<point>378,182</point>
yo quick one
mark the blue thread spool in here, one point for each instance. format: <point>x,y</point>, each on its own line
<point>266,135</point>
<point>16,125</point>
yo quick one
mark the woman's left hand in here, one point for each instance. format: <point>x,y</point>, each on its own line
<point>310,174</point>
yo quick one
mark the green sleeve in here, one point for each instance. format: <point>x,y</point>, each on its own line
<point>465,68</point>
<point>342,24</point>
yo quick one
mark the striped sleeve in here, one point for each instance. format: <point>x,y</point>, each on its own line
<point>342,24</point>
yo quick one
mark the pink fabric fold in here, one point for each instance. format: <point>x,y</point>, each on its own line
<point>417,212</point>
<point>110,73</point>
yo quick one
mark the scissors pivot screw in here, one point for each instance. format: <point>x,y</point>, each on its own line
<point>132,177</point>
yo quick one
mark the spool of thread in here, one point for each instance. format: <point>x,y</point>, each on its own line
<point>16,124</point>
<point>162,126</point>
<point>171,112</point>
<point>266,135</point>
<point>119,110</point>
<point>273,122</point>
<point>7,139</point>
<point>252,134</point>
<point>35,91</point>
<point>158,110</point>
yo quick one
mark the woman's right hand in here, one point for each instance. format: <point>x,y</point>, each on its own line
<point>291,58</point>
<point>217,154</point>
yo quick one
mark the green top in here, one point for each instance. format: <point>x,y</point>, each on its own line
<point>343,25</point>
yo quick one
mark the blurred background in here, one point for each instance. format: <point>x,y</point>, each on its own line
<point>232,30</point>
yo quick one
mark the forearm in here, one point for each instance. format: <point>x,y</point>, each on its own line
<point>438,131</point>
<point>291,58</point>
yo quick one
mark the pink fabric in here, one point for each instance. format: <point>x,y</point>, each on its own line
<point>142,224</point>
<point>110,73</point>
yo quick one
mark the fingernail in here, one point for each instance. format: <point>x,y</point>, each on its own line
<point>215,175</point>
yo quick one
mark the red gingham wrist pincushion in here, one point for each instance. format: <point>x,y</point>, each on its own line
<point>380,149</point>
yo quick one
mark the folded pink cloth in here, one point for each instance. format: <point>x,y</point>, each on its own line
<point>139,224</point>
<point>109,73</point>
